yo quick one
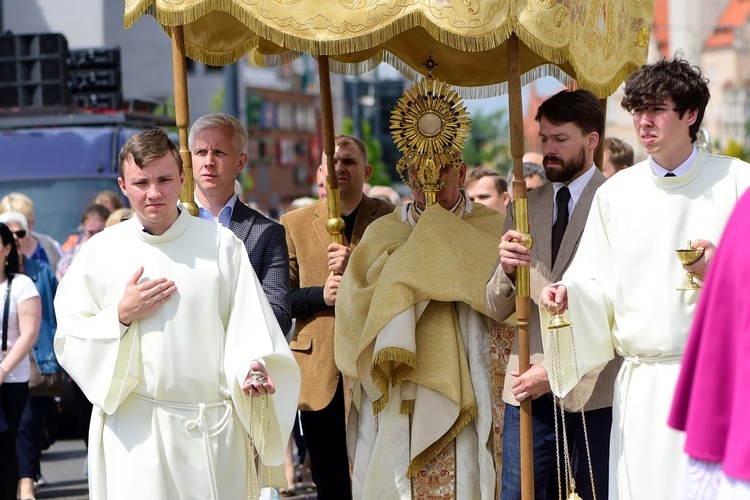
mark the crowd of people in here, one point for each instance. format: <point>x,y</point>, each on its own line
<point>201,348</point>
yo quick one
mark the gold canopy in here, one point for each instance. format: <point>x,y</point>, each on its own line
<point>595,42</point>
<point>485,48</point>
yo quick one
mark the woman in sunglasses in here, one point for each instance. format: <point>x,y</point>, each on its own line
<point>29,438</point>
<point>34,245</point>
<point>21,313</point>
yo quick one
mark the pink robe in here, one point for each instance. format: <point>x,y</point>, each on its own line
<point>712,402</point>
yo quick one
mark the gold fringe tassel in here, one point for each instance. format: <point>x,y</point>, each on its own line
<point>408,361</point>
<point>400,373</point>
<point>420,461</point>
<point>381,382</point>
<point>407,407</point>
<point>478,92</point>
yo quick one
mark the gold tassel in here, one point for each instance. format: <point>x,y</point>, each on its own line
<point>420,461</point>
<point>395,354</point>
<point>379,404</point>
<point>400,373</point>
<point>381,382</point>
<point>408,361</point>
<point>407,407</point>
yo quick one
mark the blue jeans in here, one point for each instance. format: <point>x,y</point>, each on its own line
<point>598,425</point>
<point>29,438</point>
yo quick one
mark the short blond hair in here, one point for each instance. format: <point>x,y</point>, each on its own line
<point>147,146</point>
<point>118,215</point>
<point>18,202</point>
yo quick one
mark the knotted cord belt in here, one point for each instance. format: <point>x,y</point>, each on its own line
<point>200,423</point>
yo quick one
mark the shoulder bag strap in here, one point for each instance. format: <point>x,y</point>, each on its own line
<point>6,313</point>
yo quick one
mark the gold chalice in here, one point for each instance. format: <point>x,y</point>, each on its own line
<point>689,256</point>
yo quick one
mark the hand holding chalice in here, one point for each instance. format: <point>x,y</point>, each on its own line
<point>689,256</point>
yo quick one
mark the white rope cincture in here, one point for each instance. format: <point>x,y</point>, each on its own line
<point>201,424</point>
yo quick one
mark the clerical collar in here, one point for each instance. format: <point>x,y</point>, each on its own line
<point>138,223</point>
<point>575,187</point>
<point>461,199</point>
<point>464,204</point>
<point>682,169</point>
<point>225,214</point>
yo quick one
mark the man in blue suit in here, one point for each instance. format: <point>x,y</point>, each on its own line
<point>218,144</point>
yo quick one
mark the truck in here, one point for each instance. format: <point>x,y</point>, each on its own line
<point>62,158</point>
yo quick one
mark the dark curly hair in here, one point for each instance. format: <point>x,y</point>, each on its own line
<point>674,78</point>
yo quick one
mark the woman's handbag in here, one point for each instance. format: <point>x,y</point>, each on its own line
<point>40,384</point>
<point>46,385</point>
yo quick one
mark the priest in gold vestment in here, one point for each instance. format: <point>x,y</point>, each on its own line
<point>412,329</point>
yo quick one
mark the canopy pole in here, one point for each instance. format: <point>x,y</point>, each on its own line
<point>182,116</point>
<point>523,302</point>
<point>335,224</point>
<point>599,153</point>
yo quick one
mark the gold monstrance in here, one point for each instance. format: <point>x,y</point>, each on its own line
<point>429,125</point>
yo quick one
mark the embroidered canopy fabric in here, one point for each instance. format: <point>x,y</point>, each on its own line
<point>595,42</point>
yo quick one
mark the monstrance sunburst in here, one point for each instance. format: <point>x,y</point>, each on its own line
<point>429,125</point>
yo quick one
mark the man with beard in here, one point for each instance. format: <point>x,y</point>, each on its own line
<point>570,125</point>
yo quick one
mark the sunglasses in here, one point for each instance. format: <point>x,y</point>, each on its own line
<point>20,234</point>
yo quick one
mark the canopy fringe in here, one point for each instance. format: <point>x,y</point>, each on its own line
<point>562,56</point>
<point>478,92</point>
<point>290,46</point>
<point>369,40</point>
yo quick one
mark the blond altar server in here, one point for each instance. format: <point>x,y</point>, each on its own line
<point>621,289</point>
<point>166,329</point>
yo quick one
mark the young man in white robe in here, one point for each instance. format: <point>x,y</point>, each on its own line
<point>166,329</point>
<point>621,291</point>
